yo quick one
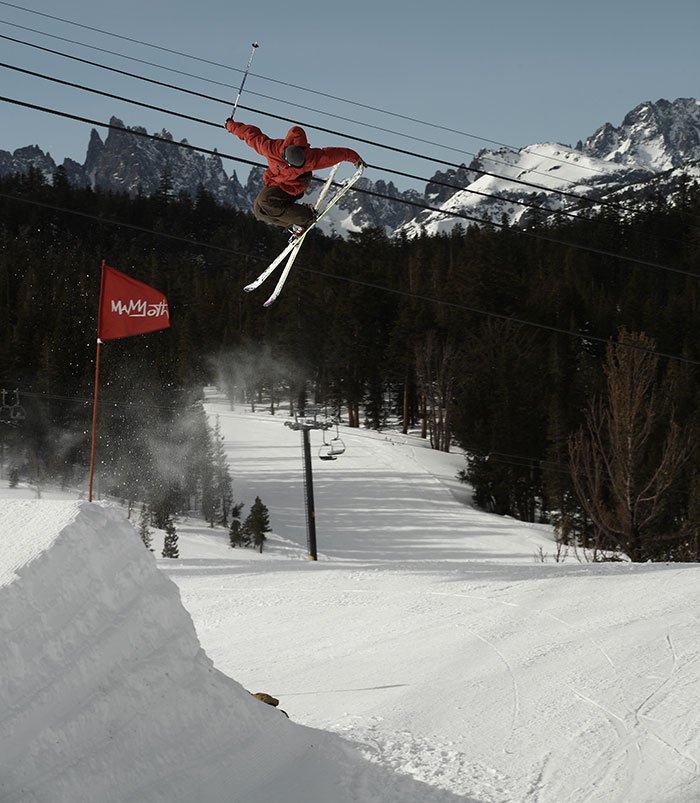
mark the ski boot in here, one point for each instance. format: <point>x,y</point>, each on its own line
<point>296,229</point>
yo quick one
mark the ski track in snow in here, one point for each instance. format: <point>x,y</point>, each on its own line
<point>632,740</point>
<point>397,753</point>
<point>507,612</point>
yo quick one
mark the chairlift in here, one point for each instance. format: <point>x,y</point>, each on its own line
<point>331,449</point>
<point>337,445</point>
<point>326,450</point>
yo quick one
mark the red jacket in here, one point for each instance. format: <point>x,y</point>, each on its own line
<point>279,173</point>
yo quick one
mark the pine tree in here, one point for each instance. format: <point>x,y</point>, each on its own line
<point>170,549</point>
<point>222,476</point>
<point>235,530</point>
<point>200,468</point>
<point>144,529</point>
<point>206,480</point>
<point>208,495</point>
<point>258,523</point>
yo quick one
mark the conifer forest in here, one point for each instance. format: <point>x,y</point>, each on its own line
<point>564,359</point>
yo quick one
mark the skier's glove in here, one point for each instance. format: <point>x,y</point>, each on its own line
<point>360,163</point>
<point>229,124</point>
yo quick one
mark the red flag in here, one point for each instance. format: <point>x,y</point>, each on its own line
<point>128,307</point>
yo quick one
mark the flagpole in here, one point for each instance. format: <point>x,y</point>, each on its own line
<point>127,307</point>
<point>94,418</point>
<point>97,385</point>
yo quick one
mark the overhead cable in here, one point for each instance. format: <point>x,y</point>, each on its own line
<point>521,182</point>
<point>277,100</point>
<point>384,196</point>
<point>181,115</point>
<point>202,60</point>
<point>236,69</point>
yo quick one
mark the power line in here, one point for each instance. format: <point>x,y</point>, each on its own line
<point>282,83</point>
<point>362,283</point>
<point>471,452</point>
<point>132,226</point>
<point>277,100</point>
<point>384,196</point>
<point>437,182</point>
<point>105,94</point>
<point>206,80</point>
<point>603,203</point>
<point>499,316</point>
<point>256,75</point>
<point>599,202</point>
<point>405,152</point>
<point>105,50</point>
<point>104,402</point>
<point>516,460</point>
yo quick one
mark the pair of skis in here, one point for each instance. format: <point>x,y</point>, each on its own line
<point>295,243</point>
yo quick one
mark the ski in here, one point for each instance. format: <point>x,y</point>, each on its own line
<point>271,267</point>
<point>292,249</point>
<point>283,276</point>
<point>345,187</point>
<point>293,241</point>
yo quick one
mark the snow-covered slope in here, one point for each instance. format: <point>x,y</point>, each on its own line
<point>443,644</point>
<point>430,635</point>
<point>516,184</point>
<point>106,694</point>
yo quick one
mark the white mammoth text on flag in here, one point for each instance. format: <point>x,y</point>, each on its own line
<point>140,308</point>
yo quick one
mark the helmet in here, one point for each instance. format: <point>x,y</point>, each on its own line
<point>294,155</point>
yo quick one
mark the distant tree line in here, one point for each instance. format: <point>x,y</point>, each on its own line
<point>597,437</point>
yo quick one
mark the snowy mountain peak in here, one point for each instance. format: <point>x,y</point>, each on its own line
<point>660,135</point>
<point>656,142</point>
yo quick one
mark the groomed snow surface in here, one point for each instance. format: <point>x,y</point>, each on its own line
<point>428,656</point>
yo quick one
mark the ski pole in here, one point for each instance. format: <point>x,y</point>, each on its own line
<point>245,75</point>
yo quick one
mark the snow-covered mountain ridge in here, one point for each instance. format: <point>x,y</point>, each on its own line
<point>659,136</point>
<point>656,146</point>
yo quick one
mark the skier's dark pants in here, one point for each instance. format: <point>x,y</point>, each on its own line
<point>275,206</point>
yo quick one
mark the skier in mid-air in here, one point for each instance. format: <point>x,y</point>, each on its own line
<point>291,162</point>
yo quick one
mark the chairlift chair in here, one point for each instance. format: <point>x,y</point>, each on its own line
<point>326,450</point>
<point>336,445</point>
<point>324,453</point>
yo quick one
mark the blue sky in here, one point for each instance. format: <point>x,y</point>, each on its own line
<point>513,72</point>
